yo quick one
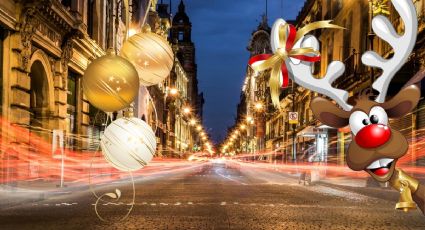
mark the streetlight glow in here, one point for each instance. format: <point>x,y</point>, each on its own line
<point>258,106</point>
<point>186,110</point>
<point>173,91</point>
<point>248,118</point>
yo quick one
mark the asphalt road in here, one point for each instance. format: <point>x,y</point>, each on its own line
<point>214,196</point>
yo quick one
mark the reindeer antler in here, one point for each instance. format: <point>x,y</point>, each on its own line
<point>402,45</point>
<point>301,73</point>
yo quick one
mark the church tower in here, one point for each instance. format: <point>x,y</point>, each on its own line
<point>181,36</point>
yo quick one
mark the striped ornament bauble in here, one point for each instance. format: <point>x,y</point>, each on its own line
<point>152,56</point>
<point>128,144</point>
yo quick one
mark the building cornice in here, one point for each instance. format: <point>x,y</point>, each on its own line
<point>7,20</point>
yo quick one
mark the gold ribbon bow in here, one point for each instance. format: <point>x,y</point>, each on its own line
<point>288,37</point>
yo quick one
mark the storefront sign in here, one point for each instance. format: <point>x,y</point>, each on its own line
<point>293,118</point>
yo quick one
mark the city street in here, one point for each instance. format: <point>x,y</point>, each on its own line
<point>217,195</point>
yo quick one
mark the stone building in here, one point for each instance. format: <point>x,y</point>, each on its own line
<point>181,35</point>
<point>158,104</point>
<point>346,46</point>
<point>45,48</point>
<point>46,45</point>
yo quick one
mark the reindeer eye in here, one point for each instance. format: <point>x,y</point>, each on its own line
<point>358,120</point>
<point>374,119</point>
<point>378,116</point>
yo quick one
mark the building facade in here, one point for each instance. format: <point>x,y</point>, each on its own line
<point>45,47</point>
<point>287,141</point>
<point>176,133</point>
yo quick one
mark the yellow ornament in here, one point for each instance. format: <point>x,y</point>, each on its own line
<point>152,56</point>
<point>110,83</point>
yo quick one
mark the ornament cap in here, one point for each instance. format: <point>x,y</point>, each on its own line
<point>110,51</point>
<point>128,113</point>
<point>146,28</point>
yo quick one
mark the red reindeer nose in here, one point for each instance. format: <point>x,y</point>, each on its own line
<point>373,136</point>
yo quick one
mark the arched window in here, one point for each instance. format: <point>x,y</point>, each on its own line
<point>181,35</point>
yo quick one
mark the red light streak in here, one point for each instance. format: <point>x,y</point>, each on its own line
<point>34,161</point>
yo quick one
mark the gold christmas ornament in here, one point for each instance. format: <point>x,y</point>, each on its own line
<point>151,54</point>
<point>128,144</point>
<point>110,83</point>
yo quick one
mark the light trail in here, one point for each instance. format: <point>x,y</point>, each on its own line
<point>413,162</point>
<point>34,161</point>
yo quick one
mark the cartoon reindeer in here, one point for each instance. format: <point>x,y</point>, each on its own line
<point>376,147</point>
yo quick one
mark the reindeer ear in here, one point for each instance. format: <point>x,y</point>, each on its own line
<point>329,113</point>
<point>402,103</point>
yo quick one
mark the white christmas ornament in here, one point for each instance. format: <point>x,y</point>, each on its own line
<point>128,144</point>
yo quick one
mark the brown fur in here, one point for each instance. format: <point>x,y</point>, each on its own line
<point>359,158</point>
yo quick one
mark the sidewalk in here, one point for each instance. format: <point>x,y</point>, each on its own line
<point>24,192</point>
<point>364,186</point>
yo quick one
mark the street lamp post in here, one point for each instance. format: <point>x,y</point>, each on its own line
<point>294,148</point>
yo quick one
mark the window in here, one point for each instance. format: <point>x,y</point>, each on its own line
<point>66,3</point>
<point>91,4</point>
<point>72,102</point>
<point>181,35</point>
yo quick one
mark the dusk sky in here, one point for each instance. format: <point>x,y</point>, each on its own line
<point>221,30</point>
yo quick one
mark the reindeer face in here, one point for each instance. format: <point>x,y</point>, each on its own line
<point>375,147</point>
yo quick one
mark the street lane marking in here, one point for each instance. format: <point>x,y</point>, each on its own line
<point>229,178</point>
<point>272,206</point>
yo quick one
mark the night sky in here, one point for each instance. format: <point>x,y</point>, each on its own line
<point>221,30</point>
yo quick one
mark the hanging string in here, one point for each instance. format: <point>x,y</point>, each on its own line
<point>109,118</point>
<point>146,13</point>
<point>111,195</point>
